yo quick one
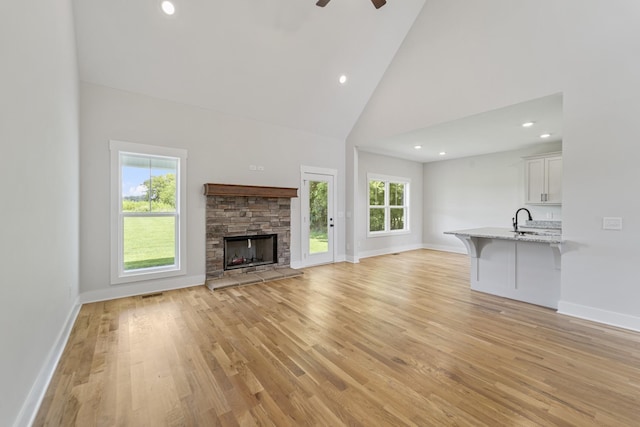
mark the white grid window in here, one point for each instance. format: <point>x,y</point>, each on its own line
<point>388,211</point>
<point>148,212</point>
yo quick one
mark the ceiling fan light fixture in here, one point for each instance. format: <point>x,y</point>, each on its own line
<point>376,3</point>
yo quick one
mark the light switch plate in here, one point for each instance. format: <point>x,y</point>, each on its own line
<point>611,223</point>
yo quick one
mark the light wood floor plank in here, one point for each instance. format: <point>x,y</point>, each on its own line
<point>395,340</point>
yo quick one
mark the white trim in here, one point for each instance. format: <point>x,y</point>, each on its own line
<point>135,289</point>
<point>443,248</point>
<point>32,403</point>
<point>381,177</point>
<point>355,214</point>
<point>374,234</point>
<point>352,259</point>
<point>118,276</point>
<point>599,315</point>
<point>296,265</point>
<point>319,171</point>
<point>392,250</point>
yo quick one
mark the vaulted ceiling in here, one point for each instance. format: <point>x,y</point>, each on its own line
<point>275,61</point>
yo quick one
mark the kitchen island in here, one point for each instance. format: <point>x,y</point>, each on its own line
<point>524,267</point>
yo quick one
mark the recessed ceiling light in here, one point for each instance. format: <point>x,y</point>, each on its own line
<point>545,135</point>
<point>442,153</point>
<point>342,79</point>
<point>168,7</point>
<point>417,147</point>
<point>527,124</point>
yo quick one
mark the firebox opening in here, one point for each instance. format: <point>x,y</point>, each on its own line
<point>250,251</point>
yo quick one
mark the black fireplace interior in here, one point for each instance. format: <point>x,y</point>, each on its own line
<point>248,251</point>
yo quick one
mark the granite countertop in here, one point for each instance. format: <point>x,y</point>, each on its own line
<point>508,234</point>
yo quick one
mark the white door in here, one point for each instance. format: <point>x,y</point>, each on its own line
<point>318,218</point>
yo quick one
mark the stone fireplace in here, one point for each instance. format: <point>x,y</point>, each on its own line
<point>248,233</point>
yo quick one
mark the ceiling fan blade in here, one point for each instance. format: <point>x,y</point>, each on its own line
<point>378,3</point>
<point>322,3</point>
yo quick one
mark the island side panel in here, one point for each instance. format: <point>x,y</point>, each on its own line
<point>524,271</point>
<point>537,278</point>
<point>493,271</point>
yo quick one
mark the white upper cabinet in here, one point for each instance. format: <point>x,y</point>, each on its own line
<point>543,179</point>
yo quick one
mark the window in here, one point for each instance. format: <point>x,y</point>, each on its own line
<point>388,205</point>
<point>147,212</point>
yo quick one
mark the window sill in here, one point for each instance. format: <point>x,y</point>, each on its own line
<point>387,233</point>
<point>150,274</point>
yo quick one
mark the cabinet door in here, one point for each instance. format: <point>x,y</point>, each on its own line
<point>534,177</point>
<point>553,178</point>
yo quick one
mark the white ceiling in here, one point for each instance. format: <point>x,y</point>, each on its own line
<point>278,62</point>
<point>275,61</point>
<point>489,132</point>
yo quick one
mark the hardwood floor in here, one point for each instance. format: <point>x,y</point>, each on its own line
<point>394,340</point>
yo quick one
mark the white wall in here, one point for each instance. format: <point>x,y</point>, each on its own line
<point>462,58</point>
<point>220,150</point>
<point>382,165</point>
<point>478,191</point>
<point>39,213</point>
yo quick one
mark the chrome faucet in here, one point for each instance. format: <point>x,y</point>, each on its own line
<point>514,220</point>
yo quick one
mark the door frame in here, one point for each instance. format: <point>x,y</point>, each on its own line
<point>304,230</point>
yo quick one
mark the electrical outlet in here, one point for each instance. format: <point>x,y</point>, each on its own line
<point>611,223</point>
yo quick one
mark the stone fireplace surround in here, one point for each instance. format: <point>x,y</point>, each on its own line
<point>239,210</point>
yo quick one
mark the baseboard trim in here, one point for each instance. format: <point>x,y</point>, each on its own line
<point>453,249</point>
<point>296,265</point>
<point>32,403</point>
<point>352,259</point>
<point>599,315</point>
<point>141,288</point>
<point>387,251</point>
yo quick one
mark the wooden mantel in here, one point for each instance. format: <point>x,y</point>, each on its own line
<point>248,191</point>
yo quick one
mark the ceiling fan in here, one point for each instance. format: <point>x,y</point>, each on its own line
<point>377,3</point>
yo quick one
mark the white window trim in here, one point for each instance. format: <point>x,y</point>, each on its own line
<point>118,275</point>
<point>407,205</point>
